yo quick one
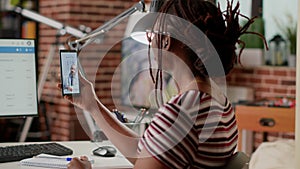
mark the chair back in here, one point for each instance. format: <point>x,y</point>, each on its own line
<point>239,160</point>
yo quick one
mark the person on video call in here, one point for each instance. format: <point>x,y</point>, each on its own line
<point>197,127</point>
<point>72,79</point>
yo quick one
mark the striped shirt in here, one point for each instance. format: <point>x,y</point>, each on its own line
<point>192,130</point>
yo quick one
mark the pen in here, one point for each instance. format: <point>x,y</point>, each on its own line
<point>54,157</point>
<point>60,158</point>
<point>120,116</point>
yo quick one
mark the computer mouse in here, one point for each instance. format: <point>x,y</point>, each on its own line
<point>105,151</point>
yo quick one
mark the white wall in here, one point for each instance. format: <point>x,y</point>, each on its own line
<point>278,9</point>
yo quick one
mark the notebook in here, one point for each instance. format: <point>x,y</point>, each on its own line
<point>48,161</point>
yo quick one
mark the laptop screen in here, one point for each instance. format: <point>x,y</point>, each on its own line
<point>18,91</point>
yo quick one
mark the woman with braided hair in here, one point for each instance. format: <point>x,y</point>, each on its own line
<point>195,42</point>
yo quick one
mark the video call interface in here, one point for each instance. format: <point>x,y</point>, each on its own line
<point>18,91</point>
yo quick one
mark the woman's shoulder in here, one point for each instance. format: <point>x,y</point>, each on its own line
<point>193,95</point>
<point>189,95</point>
<point>193,98</point>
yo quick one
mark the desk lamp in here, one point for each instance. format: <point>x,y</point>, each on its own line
<point>82,42</point>
<point>138,32</point>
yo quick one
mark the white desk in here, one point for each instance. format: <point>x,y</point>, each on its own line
<point>81,148</point>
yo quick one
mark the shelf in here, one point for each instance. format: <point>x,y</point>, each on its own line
<point>265,67</point>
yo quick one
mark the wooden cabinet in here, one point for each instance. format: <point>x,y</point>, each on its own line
<point>267,119</point>
<point>262,119</point>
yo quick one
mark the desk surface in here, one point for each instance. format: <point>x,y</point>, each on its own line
<point>82,148</point>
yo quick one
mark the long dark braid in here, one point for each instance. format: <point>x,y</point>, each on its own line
<point>158,80</point>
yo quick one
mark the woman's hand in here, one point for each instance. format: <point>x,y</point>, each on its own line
<point>80,163</point>
<point>87,97</point>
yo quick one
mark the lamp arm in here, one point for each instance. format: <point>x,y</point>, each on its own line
<point>140,6</point>
<point>50,22</point>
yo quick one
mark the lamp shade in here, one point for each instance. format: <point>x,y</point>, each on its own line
<point>138,32</point>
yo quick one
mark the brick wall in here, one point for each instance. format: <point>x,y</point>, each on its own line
<point>267,81</point>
